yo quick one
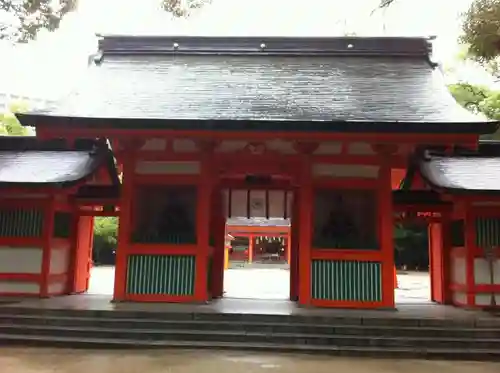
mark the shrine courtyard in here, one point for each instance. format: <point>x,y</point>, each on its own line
<point>28,360</point>
<point>272,283</point>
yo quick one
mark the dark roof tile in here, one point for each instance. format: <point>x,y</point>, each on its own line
<point>378,89</point>
<point>28,161</point>
<point>265,45</point>
<point>46,167</point>
<point>462,174</point>
<point>344,84</point>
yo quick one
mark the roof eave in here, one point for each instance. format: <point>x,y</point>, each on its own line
<point>397,127</point>
<point>100,160</point>
<point>455,191</point>
<point>182,44</point>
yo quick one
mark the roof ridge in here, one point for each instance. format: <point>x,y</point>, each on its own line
<point>348,45</point>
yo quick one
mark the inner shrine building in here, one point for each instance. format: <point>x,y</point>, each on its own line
<point>206,129</point>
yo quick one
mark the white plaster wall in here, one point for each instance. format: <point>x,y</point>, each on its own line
<point>239,203</point>
<point>482,271</point>
<point>345,170</point>
<point>329,148</point>
<point>19,287</point>
<point>459,297</point>
<point>184,146</point>
<point>360,148</point>
<point>485,299</point>
<point>155,144</point>
<point>231,146</point>
<point>458,270</point>
<point>281,146</point>
<point>57,288</point>
<point>168,168</point>
<point>20,260</point>
<point>59,261</point>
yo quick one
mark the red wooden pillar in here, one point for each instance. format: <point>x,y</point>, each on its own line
<point>48,229</point>
<point>250,248</point>
<point>436,262</point>
<point>219,230</point>
<point>294,239</point>
<point>288,249</point>
<point>305,204</point>
<point>82,240</point>
<point>71,285</point>
<point>204,194</point>
<point>124,224</point>
<point>445,231</point>
<point>470,245</point>
<point>386,235</point>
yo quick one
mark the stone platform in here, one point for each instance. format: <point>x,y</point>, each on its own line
<point>413,331</point>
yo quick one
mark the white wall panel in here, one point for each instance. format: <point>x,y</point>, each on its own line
<point>458,270</point>
<point>167,168</point>
<point>345,170</point>
<point>59,261</point>
<point>20,260</point>
<point>482,271</point>
<point>19,287</point>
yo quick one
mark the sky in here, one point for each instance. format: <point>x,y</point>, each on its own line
<point>49,67</point>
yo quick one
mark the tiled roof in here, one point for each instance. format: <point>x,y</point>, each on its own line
<point>27,161</point>
<point>326,80</point>
<point>464,171</point>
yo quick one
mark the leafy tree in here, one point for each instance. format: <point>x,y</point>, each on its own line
<point>107,229</point>
<point>481,29</point>
<point>470,96</point>
<point>22,20</point>
<point>9,125</point>
<point>182,8</point>
<point>477,99</point>
<point>411,245</point>
<point>105,239</point>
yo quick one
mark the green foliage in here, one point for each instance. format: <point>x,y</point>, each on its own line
<point>106,229</point>
<point>481,29</point>
<point>105,239</point>
<point>22,20</point>
<point>182,8</point>
<point>407,235</point>
<point>9,125</point>
<point>411,245</point>
<point>478,99</point>
<point>470,96</point>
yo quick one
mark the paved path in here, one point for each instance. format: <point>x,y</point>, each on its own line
<point>414,287</point>
<point>25,360</point>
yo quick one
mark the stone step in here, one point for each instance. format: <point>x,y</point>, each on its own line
<point>372,320</point>
<point>250,337</point>
<point>152,324</point>
<point>399,352</point>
